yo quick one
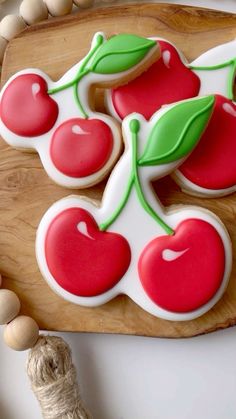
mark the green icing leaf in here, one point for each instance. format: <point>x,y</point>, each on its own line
<point>177,131</point>
<point>120,53</point>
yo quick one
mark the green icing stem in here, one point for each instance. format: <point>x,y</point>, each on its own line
<point>213,67</point>
<point>138,187</point>
<point>116,213</point>
<point>79,76</point>
<point>231,63</point>
<point>134,180</point>
<point>99,41</point>
<point>77,99</point>
<point>230,81</point>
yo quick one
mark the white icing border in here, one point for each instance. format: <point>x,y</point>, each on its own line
<point>192,189</point>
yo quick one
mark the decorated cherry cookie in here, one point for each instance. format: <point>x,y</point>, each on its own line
<point>211,169</point>
<point>77,145</point>
<point>175,263</point>
<point>171,78</point>
<point>167,81</point>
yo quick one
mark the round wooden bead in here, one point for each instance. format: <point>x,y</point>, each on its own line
<point>21,334</point>
<point>3,45</point>
<point>84,4</point>
<point>9,306</point>
<point>10,26</point>
<point>59,7</point>
<point>33,11</point>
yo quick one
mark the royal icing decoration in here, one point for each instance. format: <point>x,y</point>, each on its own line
<point>174,263</point>
<point>168,80</point>
<point>211,169</point>
<point>77,146</point>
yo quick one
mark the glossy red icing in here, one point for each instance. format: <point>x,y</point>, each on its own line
<point>80,147</point>
<point>82,259</point>
<point>168,80</point>
<point>26,108</point>
<point>192,278</point>
<point>212,164</point>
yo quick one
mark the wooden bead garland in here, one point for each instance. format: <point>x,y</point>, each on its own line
<point>21,333</point>
<point>59,7</point>
<point>33,11</point>
<point>9,306</point>
<point>10,26</point>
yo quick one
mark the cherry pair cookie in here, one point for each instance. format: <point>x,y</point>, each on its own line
<point>174,263</point>
<point>77,145</point>
<point>211,169</point>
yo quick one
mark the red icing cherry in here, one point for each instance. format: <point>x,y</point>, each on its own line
<point>82,259</point>
<point>26,108</point>
<point>212,164</point>
<point>181,273</point>
<point>168,80</point>
<point>81,147</point>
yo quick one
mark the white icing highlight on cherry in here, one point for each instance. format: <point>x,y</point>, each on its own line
<point>82,227</point>
<point>166,58</point>
<point>35,88</point>
<point>229,109</point>
<point>76,129</point>
<point>169,255</point>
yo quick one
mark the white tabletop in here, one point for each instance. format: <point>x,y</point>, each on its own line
<point>125,377</point>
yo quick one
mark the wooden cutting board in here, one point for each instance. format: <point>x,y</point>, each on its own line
<point>27,192</point>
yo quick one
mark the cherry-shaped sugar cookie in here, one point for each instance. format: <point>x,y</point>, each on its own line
<point>171,78</point>
<point>77,145</point>
<point>211,169</point>
<point>174,264</point>
<point>155,87</point>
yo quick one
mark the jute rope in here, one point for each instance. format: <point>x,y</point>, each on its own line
<point>53,379</point>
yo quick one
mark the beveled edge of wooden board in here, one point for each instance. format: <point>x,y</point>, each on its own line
<point>175,12</point>
<point>128,9</point>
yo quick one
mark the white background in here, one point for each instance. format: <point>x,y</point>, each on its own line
<point>125,377</point>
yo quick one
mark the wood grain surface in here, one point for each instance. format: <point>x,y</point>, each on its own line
<point>27,192</point>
